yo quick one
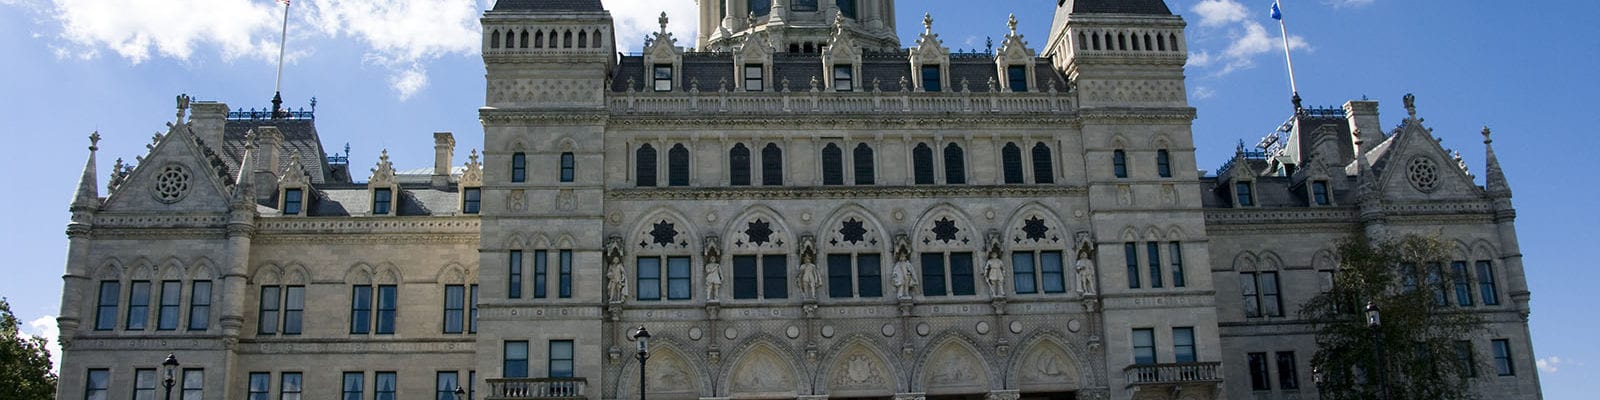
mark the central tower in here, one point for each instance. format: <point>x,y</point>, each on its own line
<point>796,26</point>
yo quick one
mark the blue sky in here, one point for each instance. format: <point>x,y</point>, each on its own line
<point>388,73</point>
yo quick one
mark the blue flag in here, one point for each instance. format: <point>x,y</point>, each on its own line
<point>1276,14</point>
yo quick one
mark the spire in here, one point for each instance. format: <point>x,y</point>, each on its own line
<point>1494,179</point>
<point>88,196</point>
<point>243,190</point>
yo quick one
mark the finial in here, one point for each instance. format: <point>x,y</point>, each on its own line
<point>472,158</point>
<point>927,23</point>
<point>838,20</point>
<point>183,105</point>
<point>94,141</point>
<point>1012,23</point>
<point>663,21</point>
<point>384,156</point>
<point>876,85</point>
<point>750,20</point>
<point>1486,139</point>
<point>1410,101</point>
<point>313,104</point>
<point>988,44</point>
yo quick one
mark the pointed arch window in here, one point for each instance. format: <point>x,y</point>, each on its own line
<point>863,164</point>
<point>645,166</point>
<point>832,165</point>
<point>1163,163</point>
<point>922,164</point>
<point>519,167</point>
<point>522,40</point>
<point>771,165</point>
<point>568,166</point>
<point>739,165</point>
<point>1011,163</point>
<point>955,166</point>
<point>1044,170</point>
<point>1119,163</point>
<point>678,166</point>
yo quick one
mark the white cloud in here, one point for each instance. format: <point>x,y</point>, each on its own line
<point>1247,38</point>
<point>1550,364</point>
<point>1203,92</point>
<point>46,328</point>
<point>409,81</point>
<point>138,29</point>
<point>1219,12</point>
<point>1349,3</point>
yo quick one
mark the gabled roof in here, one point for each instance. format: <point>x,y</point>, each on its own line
<point>1145,7</point>
<point>548,5</point>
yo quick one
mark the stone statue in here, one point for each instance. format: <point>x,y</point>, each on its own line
<point>995,273</point>
<point>713,257</point>
<point>809,279</point>
<point>1085,268</point>
<point>617,279</point>
<point>904,278</point>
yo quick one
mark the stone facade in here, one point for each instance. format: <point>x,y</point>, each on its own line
<point>845,223</point>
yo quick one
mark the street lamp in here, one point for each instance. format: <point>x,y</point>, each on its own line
<point>1375,322</point>
<point>1318,379</point>
<point>643,337</point>
<point>461,394</point>
<point>170,368</point>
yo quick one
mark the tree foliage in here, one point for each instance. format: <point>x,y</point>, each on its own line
<point>24,362</point>
<point>1408,278</point>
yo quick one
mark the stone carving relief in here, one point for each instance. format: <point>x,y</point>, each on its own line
<point>559,92</point>
<point>1132,91</point>
<point>762,371</point>
<point>860,372</point>
<point>758,231</point>
<point>1423,174</point>
<point>670,376</point>
<point>172,184</point>
<point>1084,266</point>
<point>1047,367</point>
<point>946,229</point>
<point>566,200</point>
<point>517,200</point>
<point>953,368</point>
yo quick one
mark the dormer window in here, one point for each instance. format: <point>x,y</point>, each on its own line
<point>930,78</point>
<point>1017,77</point>
<point>381,201</point>
<point>1244,194</point>
<point>663,77</point>
<point>471,200</point>
<point>293,201</point>
<point>844,78</point>
<point>1319,193</point>
<point>753,74</point>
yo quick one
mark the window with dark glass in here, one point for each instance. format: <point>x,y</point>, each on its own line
<point>1486,288</point>
<point>855,275</point>
<point>848,7</point>
<point>200,306</point>
<point>1408,278</point>
<point>663,77</point>
<point>1260,378</point>
<point>445,384</point>
<point>1183,345</point>
<point>1319,193</point>
<point>138,305</point>
<point>677,280</point>
<point>289,386</point>
<point>1130,252</point>
<point>832,165</point>
<point>1176,250</point>
<point>1252,295</point>
<point>472,304</point>
<point>922,164</point>
<point>519,167</point>
<point>360,309</point>
<point>771,165</point>
<point>564,281</point>
<point>97,384</point>
<point>1011,163</point>
<point>1144,346</point>
<point>144,384</point>
<point>1261,298</point>
<point>515,359</point>
<point>678,166</point>
<point>930,78</point>
<point>753,75</point>
<point>267,318</point>
<point>167,314</point>
<point>1435,280</point>
<point>863,165</point>
<point>764,277</point>
<point>260,386</point>
<point>1503,365</point>
<point>568,166</point>
<point>1017,77</point>
<point>387,299</point>
<point>294,305</point>
<point>541,270</point>
<point>955,165</point>
<point>844,78</point>
<point>678,272</point>
<point>1464,359</point>
<point>1163,164</point>
<point>759,7</point>
<point>1463,283</point>
<point>1119,163</point>
<point>105,313</point>
<point>471,200</point>
<point>947,274</point>
<point>514,280</point>
<point>192,385</point>
<point>384,388</point>
<point>561,358</point>
<point>292,199</point>
<point>739,165</point>
<point>1153,257</point>
<point>1022,271</point>
<point>455,308</point>
<point>381,200</point>
<point>354,385</point>
<point>805,5</point>
<point>1044,170</point>
<point>1288,377</point>
<point>1035,272</point>
<point>649,284</point>
<point>645,166</point>
<point>1243,191</point>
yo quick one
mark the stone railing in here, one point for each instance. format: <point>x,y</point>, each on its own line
<point>1156,374</point>
<point>537,388</point>
<point>836,102</point>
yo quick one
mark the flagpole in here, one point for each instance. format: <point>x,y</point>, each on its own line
<point>283,39</point>
<point>1294,89</point>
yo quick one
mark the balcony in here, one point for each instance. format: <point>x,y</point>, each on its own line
<point>537,388</point>
<point>1173,374</point>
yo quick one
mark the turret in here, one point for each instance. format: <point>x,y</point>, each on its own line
<point>1494,181</point>
<point>547,54</point>
<point>1120,52</point>
<point>87,198</point>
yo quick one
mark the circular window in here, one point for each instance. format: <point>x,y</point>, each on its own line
<point>1424,174</point>
<point>172,184</point>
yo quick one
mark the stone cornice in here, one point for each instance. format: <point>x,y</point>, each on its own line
<point>842,192</point>
<point>1262,216</point>
<point>1183,115</point>
<point>710,119</point>
<point>510,117</point>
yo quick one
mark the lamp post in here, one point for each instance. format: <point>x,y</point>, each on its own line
<point>169,368</point>
<point>461,394</point>
<point>1375,322</point>
<point>642,336</point>
<point>1318,379</point>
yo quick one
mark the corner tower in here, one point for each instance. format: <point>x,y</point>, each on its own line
<point>1120,52</point>
<point>796,26</point>
<point>547,53</point>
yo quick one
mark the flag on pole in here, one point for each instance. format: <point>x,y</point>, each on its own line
<point>285,3</point>
<point>1276,14</point>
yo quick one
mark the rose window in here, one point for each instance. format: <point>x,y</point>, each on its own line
<point>1424,174</point>
<point>172,184</point>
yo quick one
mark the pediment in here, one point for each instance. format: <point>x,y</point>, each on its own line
<point>176,175</point>
<point>1416,167</point>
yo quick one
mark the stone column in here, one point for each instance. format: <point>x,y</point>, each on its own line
<point>78,284</point>
<point>241,229</point>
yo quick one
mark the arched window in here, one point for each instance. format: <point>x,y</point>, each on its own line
<point>1173,41</point>
<point>568,167</point>
<point>645,166</point>
<point>1160,44</point>
<point>511,40</point>
<point>739,165</point>
<point>1083,42</point>
<point>583,39</point>
<point>955,166</point>
<point>1044,170</point>
<point>596,40</point>
<point>519,167</point>
<point>678,166</point>
<point>522,40</point>
<point>1119,163</point>
<point>494,40</point>
<point>863,163</point>
<point>566,39</point>
<point>1163,164</point>
<point>922,164</point>
<point>771,165</point>
<point>1011,163</point>
<point>538,39</point>
<point>1147,42</point>
<point>832,165</point>
<point>1122,42</point>
<point>1135,41</point>
<point>1096,39</point>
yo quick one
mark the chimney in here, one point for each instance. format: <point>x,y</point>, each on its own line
<point>207,120</point>
<point>269,147</point>
<point>444,145</point>
<point>1364,126</point>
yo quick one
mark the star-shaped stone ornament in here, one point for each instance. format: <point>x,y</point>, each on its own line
<point>663,233</point>
<point>759,231</point>
<point>852,231</point>
<point>1035,228</point>
<point>945,230</point>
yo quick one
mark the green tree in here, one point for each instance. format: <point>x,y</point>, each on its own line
<point>24,362</point>
<point>1408,279</point>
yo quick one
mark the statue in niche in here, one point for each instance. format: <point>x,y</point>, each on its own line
<point>809,280</point>
<point>903,276</point>
<point>994,270</point>
<point>1085,268</point>
<point>713,257</point>
<point>616,277</point>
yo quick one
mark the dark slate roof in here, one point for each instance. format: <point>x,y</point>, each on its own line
<point>1145,7</point>
<point>710,69</point>
<point>299,137</point>
<point>1275,192</point>
<point>797,69</point>
<point>348,200</point>
<point>548,5</point>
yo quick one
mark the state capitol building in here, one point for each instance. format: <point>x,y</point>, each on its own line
<point>796,204</point>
